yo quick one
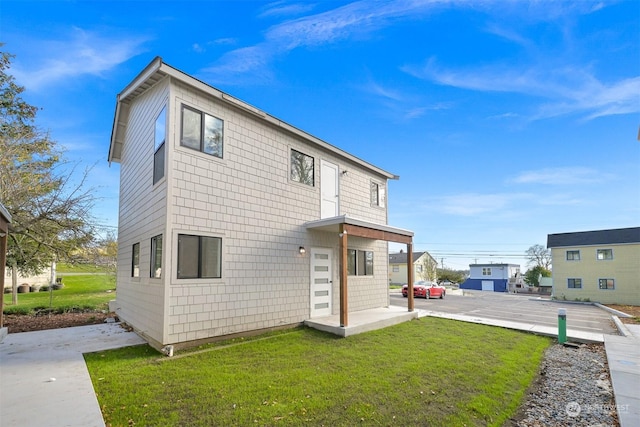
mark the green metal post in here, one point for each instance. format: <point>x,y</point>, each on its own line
<point>562,325</point>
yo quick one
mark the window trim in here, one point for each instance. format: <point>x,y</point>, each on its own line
<point>159,145</point>
<point>486,271</point>
<point>361,256</point>
<point>198,256</point>
<point>155,260</point>
<point>606,288</point>
<point>573,255</point>
<point>576,281</point>
<point>604,252</point>
<point>135,260</point>
<point>313,168</point>
<point>378,194</point>
<point>203,128</point>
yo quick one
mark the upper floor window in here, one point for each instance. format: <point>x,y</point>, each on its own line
<point>486,271</point>
<point>199,257</point>
<point>302,167</point>
<point>201,132</point>
<point>396,269</point>
<point>135,260</point>
<point>160,137</point>
<point>378,194</point>
<point>606,284</point>
<point>573,255</point>
<point>574,283</point>
<point>359,263</point>
<point>156,256</point>
<point>604,254</point>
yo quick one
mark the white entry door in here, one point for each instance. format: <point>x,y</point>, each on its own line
<point>329,189</point>
<point>487,285</point>
<point>321,281</point>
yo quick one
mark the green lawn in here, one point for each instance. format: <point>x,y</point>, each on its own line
<point>83,292</point>
<point>431,371</point>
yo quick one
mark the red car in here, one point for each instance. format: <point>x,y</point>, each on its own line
<point>424,289</point>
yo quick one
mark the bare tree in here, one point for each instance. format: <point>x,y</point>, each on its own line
<point>539,256</point>
<point>429,268</point>
<point>51,214</point>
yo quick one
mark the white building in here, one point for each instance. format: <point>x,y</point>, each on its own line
<point>232,220</point>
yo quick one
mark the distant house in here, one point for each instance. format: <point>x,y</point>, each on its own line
<point>232,220</point>
<point>492,277</point>
<point>424,267</point>
<point>601,266</point>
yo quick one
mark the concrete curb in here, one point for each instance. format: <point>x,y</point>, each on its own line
<point>621,327</point>
<point>612,310</point>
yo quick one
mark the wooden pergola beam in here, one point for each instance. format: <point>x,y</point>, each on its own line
<point>370,233</point>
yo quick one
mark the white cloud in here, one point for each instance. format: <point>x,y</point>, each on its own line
<point>561,176</point>
<point>281,8</point>
<point>473,204</point>
<point>83,53</point>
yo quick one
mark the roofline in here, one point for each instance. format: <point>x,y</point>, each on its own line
<point>5,213</point>
<point>157,65</point>
<point>597,237</point>
<point>495,264</point>
<point>345,219</point>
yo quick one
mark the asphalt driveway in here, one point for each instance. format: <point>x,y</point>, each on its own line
<point>517,308</point>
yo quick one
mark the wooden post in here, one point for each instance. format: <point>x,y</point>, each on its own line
<point>344,321</point>
<point>410,302</point>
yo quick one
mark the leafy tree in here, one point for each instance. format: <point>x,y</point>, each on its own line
<point>538,255</point>
<point>532,276</point>
<point>453,276</point>
<point>50,214</point>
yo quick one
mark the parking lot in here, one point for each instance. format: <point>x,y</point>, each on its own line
<point>516,308</point>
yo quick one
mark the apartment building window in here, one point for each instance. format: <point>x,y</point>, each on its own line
<point>199,257</point>
<point>359,263</point>
<point>135,260</point>
<point>486,271</point>
<point>606,284</point>
<point>160,137</point>
<point>202,132</point>
<point>156,257</point>
<point>302,167</point>
<point>378,194</point>
<point>573,255</point>
<point>604,254</point>
<point>396,269</point>
<point>574,283</point>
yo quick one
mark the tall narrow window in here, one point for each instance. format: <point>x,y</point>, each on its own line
<point>302,167</point>
<point>160,137</point>
<point>378,194</point>
<point>199,257</point>
<point>156,256</point>
<point>135,260</point>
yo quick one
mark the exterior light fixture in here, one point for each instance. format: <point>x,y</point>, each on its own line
<point>302,250</point>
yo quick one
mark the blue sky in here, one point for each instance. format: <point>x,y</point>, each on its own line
<point>505,120</point>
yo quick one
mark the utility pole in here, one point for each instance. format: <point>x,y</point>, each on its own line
<point>442,263</point>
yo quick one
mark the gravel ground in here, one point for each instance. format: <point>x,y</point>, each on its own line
<point>573,389</point>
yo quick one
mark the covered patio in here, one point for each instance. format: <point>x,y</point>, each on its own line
<point>346,323</point>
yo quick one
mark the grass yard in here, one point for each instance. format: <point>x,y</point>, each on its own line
<point>430,371</point>
<point>81,292</point>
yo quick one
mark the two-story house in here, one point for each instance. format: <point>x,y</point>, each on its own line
<point>491,277</point>
<point>232,220</point>
<point>424,267</point>
<point>600,266</point>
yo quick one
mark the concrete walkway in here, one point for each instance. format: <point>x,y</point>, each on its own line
<point>44,380</point>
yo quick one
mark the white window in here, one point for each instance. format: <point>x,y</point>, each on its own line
<point>486,271</point>
<point>396,269</point>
